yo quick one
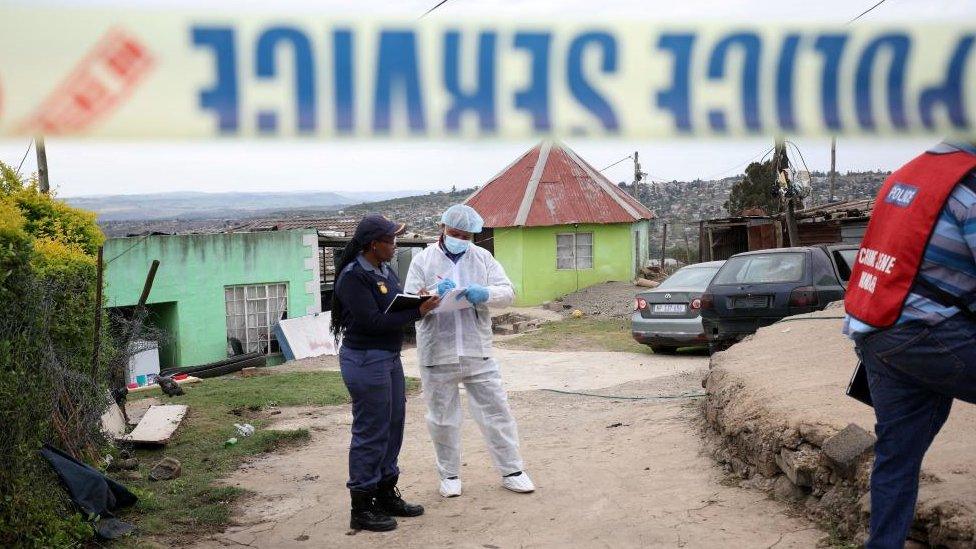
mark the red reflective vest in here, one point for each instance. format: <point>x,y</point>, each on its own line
<point>904,217</point>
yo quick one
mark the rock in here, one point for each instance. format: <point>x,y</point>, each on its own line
<point>130,475</point>
<point>815,433</point>
<point>785,490</point>
<point>129,464</point>
<point>846,447</point>
<point>166,469</point>
<point>795,467</point>
<point>864,504</point>
<point>504,329</point>
<point>739,467</point>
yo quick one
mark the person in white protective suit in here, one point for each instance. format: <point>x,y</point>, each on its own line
<point>456,347</point>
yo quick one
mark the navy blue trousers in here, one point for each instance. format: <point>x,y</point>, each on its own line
<point>914,372</point>
<point>375,382</point>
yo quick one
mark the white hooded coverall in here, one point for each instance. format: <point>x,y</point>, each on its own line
<point>456,347</point>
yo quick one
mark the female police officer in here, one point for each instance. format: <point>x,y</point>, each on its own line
<point>370,362</point>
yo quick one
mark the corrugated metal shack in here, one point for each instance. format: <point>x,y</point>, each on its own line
<point>843,222</point>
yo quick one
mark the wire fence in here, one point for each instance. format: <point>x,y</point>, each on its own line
<point>52,392</point>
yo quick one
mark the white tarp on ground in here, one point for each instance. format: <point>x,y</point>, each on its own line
<point>306,336</point>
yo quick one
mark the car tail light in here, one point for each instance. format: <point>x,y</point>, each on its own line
<point>804,297</point>
<point>641,304</point>
<point>695,304</point>
<point>707,301</point>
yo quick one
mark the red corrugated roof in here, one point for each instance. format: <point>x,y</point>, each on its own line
<point>560,190</point>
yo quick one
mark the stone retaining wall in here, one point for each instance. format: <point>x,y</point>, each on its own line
<point>776,417</point>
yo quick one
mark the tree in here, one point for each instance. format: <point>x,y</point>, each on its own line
<point>757,189</point>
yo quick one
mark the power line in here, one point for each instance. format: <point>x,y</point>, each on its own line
<point>617,162</point>
<point>426,13</point>
<point>865,12</point>
<point>127,250</point>
<point>29,143</point>
<point>723,172</point>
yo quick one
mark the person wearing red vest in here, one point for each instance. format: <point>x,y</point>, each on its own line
<point>910,313</point>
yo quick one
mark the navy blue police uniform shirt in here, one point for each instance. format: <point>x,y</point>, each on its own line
<point>365,292</point>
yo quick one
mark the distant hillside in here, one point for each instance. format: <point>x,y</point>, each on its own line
<point>681,204</point>
<point>232,205</point>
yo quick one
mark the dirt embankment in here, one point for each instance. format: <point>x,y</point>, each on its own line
<point>779,420</point>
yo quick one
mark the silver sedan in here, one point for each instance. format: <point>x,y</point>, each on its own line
<point>667,317</point>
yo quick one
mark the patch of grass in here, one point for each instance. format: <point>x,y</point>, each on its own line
<point>580,334</point>
<point>195,504</point>
<point>836,540</point>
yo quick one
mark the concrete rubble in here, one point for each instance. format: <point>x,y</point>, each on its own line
<point>777,417</point>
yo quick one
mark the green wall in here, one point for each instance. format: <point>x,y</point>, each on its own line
<point>529,257</point>
<point>193,271</point>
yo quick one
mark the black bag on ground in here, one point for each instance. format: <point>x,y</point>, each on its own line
<point>93,493</point>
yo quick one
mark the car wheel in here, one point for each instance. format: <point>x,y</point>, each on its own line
<point>663,349</point>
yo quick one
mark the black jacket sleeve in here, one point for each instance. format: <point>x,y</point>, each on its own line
<point>356,296</point>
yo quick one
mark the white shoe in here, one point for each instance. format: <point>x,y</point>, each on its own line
<point>450,487</point>
<point>519,483</point>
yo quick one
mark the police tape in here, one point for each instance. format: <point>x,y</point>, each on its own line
<point>136,74</point>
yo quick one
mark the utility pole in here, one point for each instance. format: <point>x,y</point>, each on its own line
<point>664,243</point>
<point>638,176</point>
<point>687,245</point>
<point>42,179</point>
<point>782,164</point>
<point>833,168</point>
<point>98,312</point>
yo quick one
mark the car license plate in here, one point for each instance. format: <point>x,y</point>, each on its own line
<point>670,308</point>
<point>750,302</point>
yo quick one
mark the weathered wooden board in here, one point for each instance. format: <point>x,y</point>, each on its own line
<point>158,425</point>
<point>113,423</point>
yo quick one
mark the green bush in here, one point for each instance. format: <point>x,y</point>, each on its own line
<point>48,394</point>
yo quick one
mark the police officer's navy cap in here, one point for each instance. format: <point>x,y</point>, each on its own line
<point>375,226</point>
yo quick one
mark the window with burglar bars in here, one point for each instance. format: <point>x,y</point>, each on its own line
<point>252,313</point>
<point>574,251</point>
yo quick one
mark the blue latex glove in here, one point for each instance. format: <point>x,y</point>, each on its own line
<point>445,286</point>
<point>475,294</point>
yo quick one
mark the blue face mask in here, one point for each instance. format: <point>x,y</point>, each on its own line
<point>456,245</point>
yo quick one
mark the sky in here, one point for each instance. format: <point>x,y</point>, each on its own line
<point>91,168</point>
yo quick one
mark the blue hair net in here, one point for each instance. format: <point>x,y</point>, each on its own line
<point>463,218</point>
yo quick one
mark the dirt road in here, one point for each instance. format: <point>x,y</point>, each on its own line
<point>610,472</point>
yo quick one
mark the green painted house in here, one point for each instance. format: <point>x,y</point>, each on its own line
<point>557,224</point>
<point>213,287</point>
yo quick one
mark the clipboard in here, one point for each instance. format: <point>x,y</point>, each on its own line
<point>858,388</point>
<point>403,302</point>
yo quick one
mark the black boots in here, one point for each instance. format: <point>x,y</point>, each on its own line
<point>388,501</point>
<point>365,515</point>
<point>374,510</point>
